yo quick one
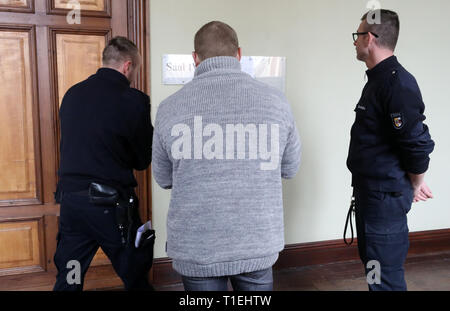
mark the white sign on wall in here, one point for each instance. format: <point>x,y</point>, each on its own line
<point>180,69</point>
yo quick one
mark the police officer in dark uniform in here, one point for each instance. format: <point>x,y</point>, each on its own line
<point>105,133</point>
<point>389,152</point>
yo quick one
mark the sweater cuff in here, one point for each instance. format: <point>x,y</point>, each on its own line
<point>289,171</point>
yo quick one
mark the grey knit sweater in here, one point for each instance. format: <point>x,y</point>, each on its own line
<point>222,144</point>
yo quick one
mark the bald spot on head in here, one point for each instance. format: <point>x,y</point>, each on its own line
<point>216,39</point>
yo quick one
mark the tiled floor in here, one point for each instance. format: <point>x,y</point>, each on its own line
<point>423,273</point>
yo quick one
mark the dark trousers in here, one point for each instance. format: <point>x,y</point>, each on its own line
<point>252,281</point>
<point>382,229</point>
<point>85,227</point>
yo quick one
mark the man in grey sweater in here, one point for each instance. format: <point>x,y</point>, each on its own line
<point>222,144</point>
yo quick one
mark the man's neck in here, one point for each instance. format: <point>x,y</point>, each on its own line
<point>377,58</point>
<point>118,70</point>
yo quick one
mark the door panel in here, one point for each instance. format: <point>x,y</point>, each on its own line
<point>14,3</point>
<point>89,5</point>
<point>22,239</point>
<point>95,8</point>
<point>17,152</point>
<point>78,57</point>
<point>24,6</point>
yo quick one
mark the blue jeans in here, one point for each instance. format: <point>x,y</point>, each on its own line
<point>252,281</point>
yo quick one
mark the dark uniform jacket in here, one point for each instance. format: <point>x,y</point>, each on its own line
<point>389,138</point>
<point>105,132</point>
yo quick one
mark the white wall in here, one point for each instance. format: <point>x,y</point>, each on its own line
<point>324,82</point>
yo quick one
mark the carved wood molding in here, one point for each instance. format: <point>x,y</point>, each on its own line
<point>137,32</point>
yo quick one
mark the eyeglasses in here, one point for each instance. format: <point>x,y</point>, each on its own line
<point>357,34</point>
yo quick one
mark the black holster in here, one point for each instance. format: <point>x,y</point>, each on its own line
<point>102,194</point>
<point>126,204</point>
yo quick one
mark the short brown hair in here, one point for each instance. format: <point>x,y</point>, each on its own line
<point>216,39</point>
<point>389,29</point>
<point>119,50</point>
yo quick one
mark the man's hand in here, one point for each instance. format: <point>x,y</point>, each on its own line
<point>422,193</point>
<point>421,190</point>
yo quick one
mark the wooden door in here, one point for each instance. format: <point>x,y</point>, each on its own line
<point>41,56</point>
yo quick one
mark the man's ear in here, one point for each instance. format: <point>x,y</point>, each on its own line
<point>127,66</point>
<point>239,54</point>
<point>196,58</point>
<point>370,39</point>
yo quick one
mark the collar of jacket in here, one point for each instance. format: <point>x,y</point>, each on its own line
<point>383,66</point>
<point>218,63</point>
<point>113,75</point>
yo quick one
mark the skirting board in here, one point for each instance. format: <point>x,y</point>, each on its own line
<point>324,252</point>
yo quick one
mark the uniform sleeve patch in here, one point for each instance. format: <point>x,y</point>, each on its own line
<point>397,120</point>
